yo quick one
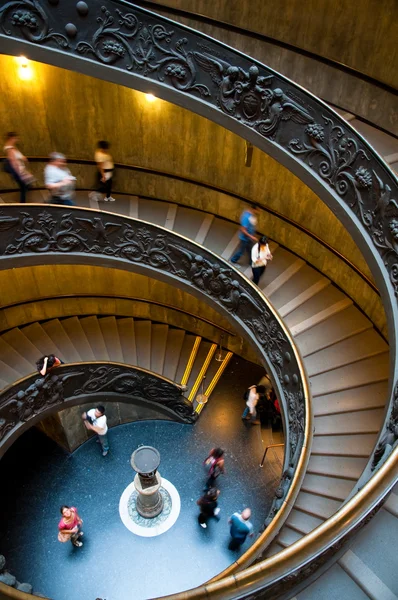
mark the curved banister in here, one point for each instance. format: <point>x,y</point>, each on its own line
<point>33,397</point>
<point>71,235</point>
<point>282,119</point>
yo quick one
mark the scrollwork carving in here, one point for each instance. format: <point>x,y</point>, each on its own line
<point>29,17</point>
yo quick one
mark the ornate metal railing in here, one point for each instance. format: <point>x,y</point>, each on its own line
<point>75,235</point>
<point>301,132</point>
<point>32,398</point>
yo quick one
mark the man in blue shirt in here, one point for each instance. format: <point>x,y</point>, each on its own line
<point>240,528</point>
<point>247,233</point>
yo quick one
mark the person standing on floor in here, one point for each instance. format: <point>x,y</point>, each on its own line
<point>247,233</point>
<point>59,180</point>
<point>95,420</point>
<point>240,528</point>
<point>261,254</point>
<point>215,465</point>
<point>252,396</point>
<point>69,527</point>
<point>15,165</point>
<point>105,167</point>
<point>208,506</point>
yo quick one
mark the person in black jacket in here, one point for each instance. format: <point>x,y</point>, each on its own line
<point>208,506</point>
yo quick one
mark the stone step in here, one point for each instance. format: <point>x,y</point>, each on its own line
<point>126,331</point>
<point>342,467</point>
<point>95,338</point>
<point>360,445</point>
<point>366,421</point>
<point>336,328</point>
<point>57,333</point>
<point>372,395</point>
<point>369,370</point>
<point>110,333</point>
<point>142,335</point>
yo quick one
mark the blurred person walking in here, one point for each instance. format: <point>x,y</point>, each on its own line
<point>59,180</point>
<point>252,396</point>
<point>208,506</point>
<point>105,166</point>
<point>240,528</point>
<point>247,233</point>
<point>15,164</point>
<point>214,463</point>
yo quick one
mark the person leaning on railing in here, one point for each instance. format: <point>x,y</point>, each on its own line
<point>46,363</point>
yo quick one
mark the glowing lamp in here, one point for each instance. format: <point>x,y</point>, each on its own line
<point>25,71</point>
<point>150,97</point>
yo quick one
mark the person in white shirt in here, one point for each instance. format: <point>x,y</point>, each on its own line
<point>105,167</point>
<point>261,254</point>
<point>252,396</point>
<point>95,420</point>
<point>59,180</point>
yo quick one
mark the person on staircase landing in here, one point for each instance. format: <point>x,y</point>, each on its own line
<point>261,254</point>
<point>15,165</point>
<point>247,233</point>
<point>59,180</point>
<point>95,420</point>
<point>208,506</point>
<point>241,527</point>
<point>46,363</point>
<point>252,396</point>
<point>69,527</point>
<point>105,167</point>
<point>215,465</point>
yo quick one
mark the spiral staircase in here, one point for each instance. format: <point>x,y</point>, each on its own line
<point>347,361</point>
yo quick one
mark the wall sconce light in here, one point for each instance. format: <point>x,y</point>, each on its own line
<point>25,71</point>
<point>150,97</point>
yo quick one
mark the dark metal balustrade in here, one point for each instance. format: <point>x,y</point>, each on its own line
<point>123,43</point>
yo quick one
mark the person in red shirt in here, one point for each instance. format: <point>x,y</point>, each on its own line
<point>69,526</point>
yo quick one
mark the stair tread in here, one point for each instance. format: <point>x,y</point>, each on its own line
<point>110,334</point>
<point>22,345</point>
<point>364,371</point>
<point>365,421</point>
<point>319,506</point>
<point>153,211</point>
<point>159,334</point>
<point>334,584</point>
<point>358,398</point>
<point>38,336</point>
<point>374,547</point>
<point>303,521</point>
<point>94,336</point>
<point>58,334</point>
<point>126,331</point>
<point>142,336</point>
<point>77,335</point>
<point>318,303</point>
<point>332,330</point>
<point>219,235</point>
<point>362,345</point>
<point>185,353</point>
<point>332,487</point>
<point>188,222</point>
<point>298,283</point>
<point>175,339</point>
<point>288,536</point>
<point>344,467</point>
<point>344,445</point>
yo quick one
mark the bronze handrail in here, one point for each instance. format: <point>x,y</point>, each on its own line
<point>266,450</point>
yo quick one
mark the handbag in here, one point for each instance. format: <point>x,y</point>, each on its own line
<point>63,537</point>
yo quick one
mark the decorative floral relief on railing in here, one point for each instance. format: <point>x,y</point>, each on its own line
<point>35,394</point>
<point>32,21</point>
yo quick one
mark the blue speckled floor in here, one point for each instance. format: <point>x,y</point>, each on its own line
<point>114,564</point>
